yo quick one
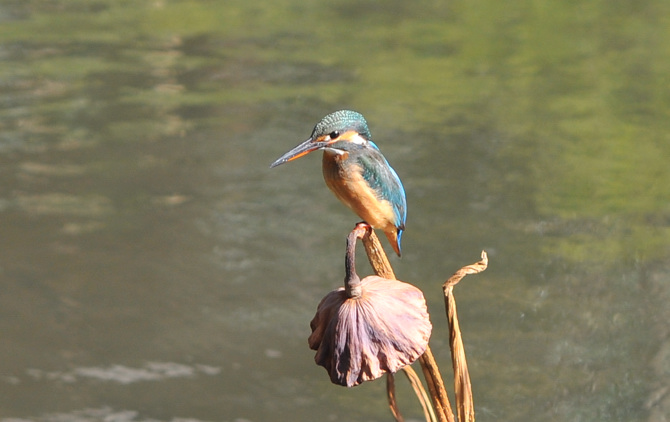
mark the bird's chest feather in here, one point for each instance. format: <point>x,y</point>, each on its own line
<point>345,177</point>
<point>342,174</point>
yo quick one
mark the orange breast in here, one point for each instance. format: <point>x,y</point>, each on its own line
<point>347,183</point>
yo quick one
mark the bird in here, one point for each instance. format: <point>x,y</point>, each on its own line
<point>356,172</point>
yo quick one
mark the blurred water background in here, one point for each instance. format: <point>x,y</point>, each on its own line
<point>153,268</point>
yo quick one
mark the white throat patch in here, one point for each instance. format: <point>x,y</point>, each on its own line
<point>334,151</point>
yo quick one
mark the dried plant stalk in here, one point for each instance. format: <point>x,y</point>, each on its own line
<point>420,392</point>
<point>381,266</point>
<point>378,259</point>
<point>415,383</point>
<point>464,402</point>
<point>475,268</point>
<point>436,387</point>
<point>390,393</point>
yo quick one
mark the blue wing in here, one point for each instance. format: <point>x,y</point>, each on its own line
<point>385,181</point>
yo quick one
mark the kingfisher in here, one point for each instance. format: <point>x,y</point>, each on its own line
<point>357,172</point>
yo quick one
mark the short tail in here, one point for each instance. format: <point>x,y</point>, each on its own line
<point>394,239</point>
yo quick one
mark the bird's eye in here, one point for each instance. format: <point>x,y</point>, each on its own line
<point>334,134</point>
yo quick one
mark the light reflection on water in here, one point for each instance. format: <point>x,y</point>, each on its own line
<point>155,268</point>
<point>152,371</point>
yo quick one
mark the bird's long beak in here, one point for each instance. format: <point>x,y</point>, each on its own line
<point>300,150</point>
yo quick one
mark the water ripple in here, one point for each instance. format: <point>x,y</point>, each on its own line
<point>152,371</point>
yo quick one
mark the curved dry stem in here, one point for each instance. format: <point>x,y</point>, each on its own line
<point>475,268</point>
<point>464,402</point>
<point>390,393</point>
<point>436,387</point>
<point>421,394</point>
<point>373,248</point>
<point>381,266</point>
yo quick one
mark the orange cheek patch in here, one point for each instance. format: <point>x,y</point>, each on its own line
<point>351,136</point>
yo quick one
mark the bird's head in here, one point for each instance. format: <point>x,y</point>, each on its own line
<point>339,131</point>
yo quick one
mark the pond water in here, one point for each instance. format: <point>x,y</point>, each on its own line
<point>154,268</point>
